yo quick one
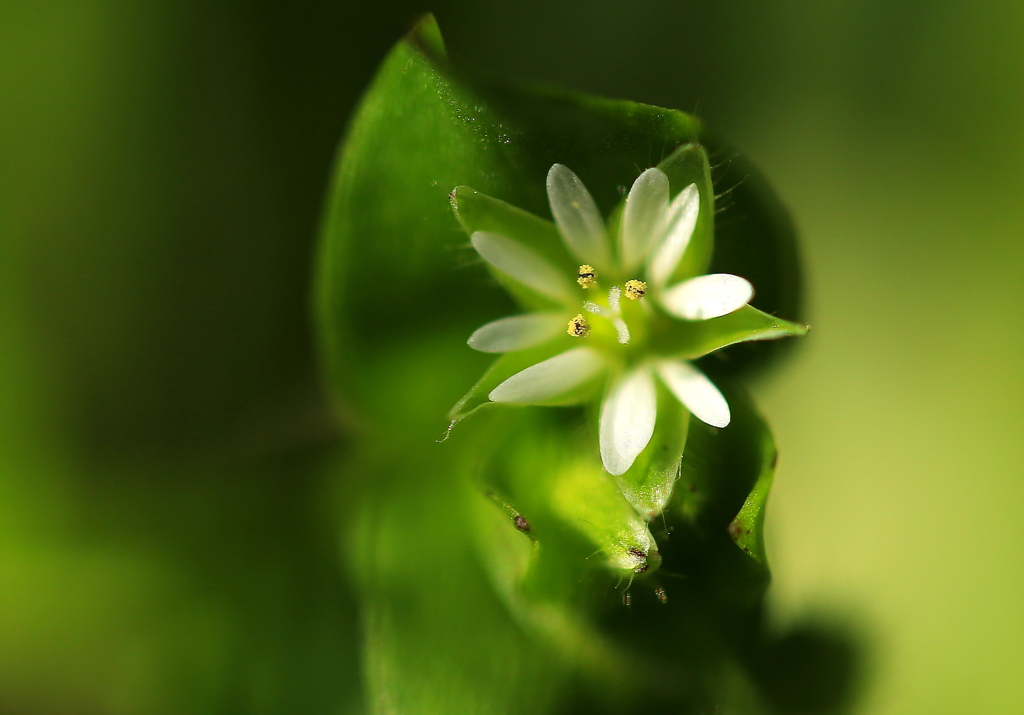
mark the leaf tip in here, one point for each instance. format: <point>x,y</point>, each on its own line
<point>457,194</point>
<point>425,35</point>
<point>447,432</point>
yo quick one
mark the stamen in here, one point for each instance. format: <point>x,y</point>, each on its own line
<point>612,313</point>
<point>586,276</point>
<point>635,289</point>
<point>613,299</point>
<point>579,327</point>
<point>621,329</point>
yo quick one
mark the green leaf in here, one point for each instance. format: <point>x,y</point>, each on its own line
<point>721,465</point>
<point>462,611</point>
<point>538,579</point>
<point>747,529</point>
<point>435,630</point>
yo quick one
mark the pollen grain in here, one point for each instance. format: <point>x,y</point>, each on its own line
<point>586,276</point>
<point>635,290</point>
<point>579,327</point>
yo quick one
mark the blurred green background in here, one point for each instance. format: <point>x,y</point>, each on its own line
<point>168,507</point>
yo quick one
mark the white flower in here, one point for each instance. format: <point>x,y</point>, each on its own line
<point>639,322</point>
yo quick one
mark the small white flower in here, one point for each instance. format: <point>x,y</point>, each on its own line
<point>590,330</point>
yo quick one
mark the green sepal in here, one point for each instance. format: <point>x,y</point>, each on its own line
<point>755,238</point>
<point>511,363</point>
<point>689,165</point>
<point>477,211</point>
<point>706,336</point>
<point>589,501</point>
<point>613,229</point>
<point>648,484</point>
<point>550,471</point>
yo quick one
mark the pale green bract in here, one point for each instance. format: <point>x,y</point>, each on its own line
<point>632,329</point>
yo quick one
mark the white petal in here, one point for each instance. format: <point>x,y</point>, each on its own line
<point>644,216</point>
<point>696,391</point>
<point>550,378</point>
<point>519,262</point>
<point>709,296</point>
<point>682,217</point>
<point>517,332</point>
<point>627,420</point>
<point>577,217</point>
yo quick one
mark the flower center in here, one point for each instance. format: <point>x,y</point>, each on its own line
<point>612,313</point>
<point>635,289</point>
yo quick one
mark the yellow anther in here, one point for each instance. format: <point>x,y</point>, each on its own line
<point>579,327</point>
<point>586,276</point>
<point>635,289</point>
